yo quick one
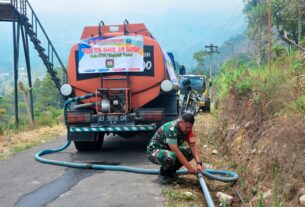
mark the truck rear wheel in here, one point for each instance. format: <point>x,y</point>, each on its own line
<point>83,146</point>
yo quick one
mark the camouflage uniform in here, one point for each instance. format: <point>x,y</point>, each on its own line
<point>158,151</point>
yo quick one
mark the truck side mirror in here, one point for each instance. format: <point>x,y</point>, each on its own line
<point>182,70</point>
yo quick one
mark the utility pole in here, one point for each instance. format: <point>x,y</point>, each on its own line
<point>211,50</point>
<point>269,34</point>
<point>300,9</point>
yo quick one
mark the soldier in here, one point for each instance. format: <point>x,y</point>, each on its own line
<point>165,148</point>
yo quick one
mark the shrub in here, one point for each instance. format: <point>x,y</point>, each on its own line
<point>298,105</point>
<point>279,51</point>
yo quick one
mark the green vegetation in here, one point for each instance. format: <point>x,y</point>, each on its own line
<point>298,104</point>
<point>23,147</point>
<point>275,186</point>
<point>199,57</point>
<point>287,16</point>
<point>232,164</point>
<point>177,198</point>
<point>261,200</point>
<point>260,84</point>
<point>254,190</point>
<point>47,106</point>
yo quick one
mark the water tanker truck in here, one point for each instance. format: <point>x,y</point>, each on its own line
<point>120,82</point>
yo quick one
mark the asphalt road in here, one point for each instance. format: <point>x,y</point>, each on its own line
<point>25,182</point>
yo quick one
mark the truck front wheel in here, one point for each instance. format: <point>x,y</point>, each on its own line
<point>83,146</point>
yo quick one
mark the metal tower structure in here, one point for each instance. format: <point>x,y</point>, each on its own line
<point>26,25</point>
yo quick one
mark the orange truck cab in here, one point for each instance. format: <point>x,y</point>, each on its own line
<point>120,81</point>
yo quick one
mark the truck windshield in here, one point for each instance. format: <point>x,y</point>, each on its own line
<point>195,81</point>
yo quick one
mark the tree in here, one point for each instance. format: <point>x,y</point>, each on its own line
<point>288,17</point>
<point>199,57</point>
<point>2,109</point>
<point>25,91</point>
<point>46,94</point>
<point>257,17</point>
<point>198,72</point>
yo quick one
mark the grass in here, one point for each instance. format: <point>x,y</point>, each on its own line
<point>49,117</point>
<point>278,201</point>
<point>11,144</point>
<point>275,187</point>
<point>240,170</point>
<point>232,164</point>
<point>14,140</point>
<point>23,147</point>
<point>298,104</point>
<point>260,84</point>
<point>180,197</point>
<point>175,195</point>
<point>261,200</point>
<point>3,156</point>
<point>254,190</point>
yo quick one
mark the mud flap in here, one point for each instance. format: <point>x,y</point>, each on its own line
<point>82,136</point>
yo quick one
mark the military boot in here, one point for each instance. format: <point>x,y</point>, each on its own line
<point>173,172</point>
<point>164,176</point>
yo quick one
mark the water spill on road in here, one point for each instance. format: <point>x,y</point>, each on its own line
<point>51,191</point>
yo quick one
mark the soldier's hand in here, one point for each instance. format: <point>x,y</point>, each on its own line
<point>192,170</point>
<point>199,168</point>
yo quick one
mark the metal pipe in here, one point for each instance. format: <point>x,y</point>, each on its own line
<point>99,28</point>
<point>28,68</point>
<point>86,105</point>
<point>125,29</point>
<point>205,190</point>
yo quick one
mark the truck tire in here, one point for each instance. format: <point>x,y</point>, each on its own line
<point>83,146</point>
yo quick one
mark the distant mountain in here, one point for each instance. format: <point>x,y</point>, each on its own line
<point>183,55</point>
<point>183,38</point>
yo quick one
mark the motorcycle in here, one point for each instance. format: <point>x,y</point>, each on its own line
<point>190,100</point>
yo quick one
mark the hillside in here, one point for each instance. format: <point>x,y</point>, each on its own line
<point>260,124</point>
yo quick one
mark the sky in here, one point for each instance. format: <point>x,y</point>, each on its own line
<point>180,26</point>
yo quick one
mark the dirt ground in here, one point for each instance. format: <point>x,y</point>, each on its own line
<point>16,142</point>
<point>266,151</point>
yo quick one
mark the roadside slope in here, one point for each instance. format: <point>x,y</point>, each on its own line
<point>260,127</point>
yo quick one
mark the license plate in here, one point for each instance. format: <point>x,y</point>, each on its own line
<point>107,120</point>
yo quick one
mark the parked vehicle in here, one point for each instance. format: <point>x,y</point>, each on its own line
<point>121,82</point>
<point>199,84</point>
